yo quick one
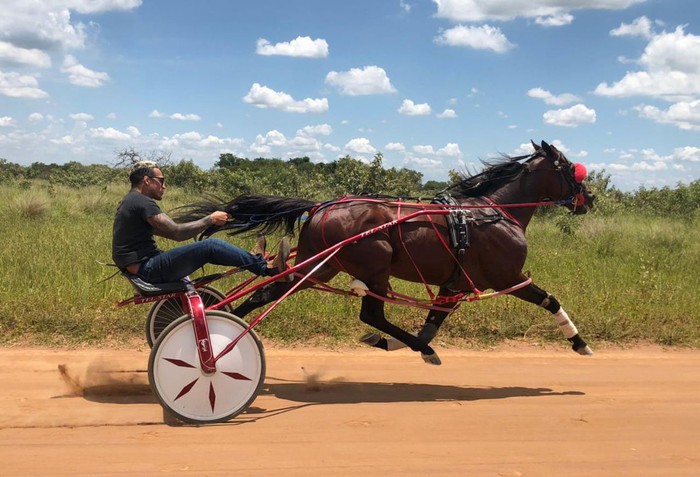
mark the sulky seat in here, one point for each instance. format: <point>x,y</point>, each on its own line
<point>144,288</point>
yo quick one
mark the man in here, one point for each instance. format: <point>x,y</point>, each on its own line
<point>139,218</point>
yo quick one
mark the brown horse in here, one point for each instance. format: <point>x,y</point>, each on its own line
<point>417,250</point>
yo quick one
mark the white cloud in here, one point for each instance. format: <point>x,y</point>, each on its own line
<point>6,121</point>
<point>423,162</point>
<point>423,149</point>
<point>484,37</point>
<point>406,7</point>
<point>264,97</point>
<point>571,117</point>
<point>317,130</point>
<point>264,144</point>
<point>361,81</point>
<point>450,150</point>
<point>483,10</point>
<point>36,117</point>
<point>409,108</point>
<point>133,131</point>
<point>447,114</point>
<point>12,54</point>
<point>395,146</point>
<point>549,98</point>
<point>79,75</point>
<point>192,143</point>
<point>684,115</point>
<point>47,26</point>
<point>272,138</point>
<point>109,133</point>
<point>156,114</point>
<point>640,166</point>
<point>185,117</point>
<point>639,27</point>
<point>111,116</point>
<point>301,46</point>
<point>671,70</point>
<point>556,20</point>
<point>360,145</point>
<point>101,6</point>
<point>20,86</point>
<point>82,117</point>
<point>687,153</point>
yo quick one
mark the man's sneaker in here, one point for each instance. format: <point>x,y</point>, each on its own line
<point>259,247</point>
<point>280,261</point>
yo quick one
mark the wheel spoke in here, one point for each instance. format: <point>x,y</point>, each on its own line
<point>212,396</point>
<point>186,389</point>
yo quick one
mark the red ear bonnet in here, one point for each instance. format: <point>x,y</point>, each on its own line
<point>580,172</point>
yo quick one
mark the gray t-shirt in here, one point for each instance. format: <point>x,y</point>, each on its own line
<point>132,235</point>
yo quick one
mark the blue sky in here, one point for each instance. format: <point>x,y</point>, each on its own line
<point>434,85</point>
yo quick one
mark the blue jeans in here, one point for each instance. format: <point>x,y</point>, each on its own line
<point>179,262</point>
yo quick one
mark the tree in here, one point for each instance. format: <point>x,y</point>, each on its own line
<point>130,156</point>
<point>228,161</point>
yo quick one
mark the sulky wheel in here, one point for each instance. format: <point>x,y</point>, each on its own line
<point>164,312</point>
<point>193,396</point>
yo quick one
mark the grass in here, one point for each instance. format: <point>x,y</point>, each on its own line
<point>622,279</point>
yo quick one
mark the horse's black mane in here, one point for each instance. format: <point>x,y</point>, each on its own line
<point>495,174</point>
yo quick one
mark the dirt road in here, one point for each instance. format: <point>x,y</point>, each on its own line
<point>516,411</point>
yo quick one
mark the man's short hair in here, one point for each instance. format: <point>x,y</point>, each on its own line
<point>139,170</point>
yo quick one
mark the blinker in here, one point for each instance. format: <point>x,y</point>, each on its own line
<point>580,172</point>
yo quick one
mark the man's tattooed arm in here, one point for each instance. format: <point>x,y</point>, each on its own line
<point>166,227</point>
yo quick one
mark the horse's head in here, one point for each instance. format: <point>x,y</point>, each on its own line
<point>567,182</point>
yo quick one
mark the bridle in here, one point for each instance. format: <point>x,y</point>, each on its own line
<point>574,179</point>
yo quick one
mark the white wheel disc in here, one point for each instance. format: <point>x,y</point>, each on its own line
<point>182,387</point>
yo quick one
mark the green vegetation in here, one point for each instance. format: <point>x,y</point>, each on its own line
<point>624,272</point>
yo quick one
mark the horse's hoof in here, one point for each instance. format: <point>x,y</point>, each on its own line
<point>585,351</point>
<point>370,339</point>
<point>433,359</point>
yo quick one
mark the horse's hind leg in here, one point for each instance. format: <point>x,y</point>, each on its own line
<point>432,323</point>
<point>534,294</point>
<point>372,313</point>
<point>262,297</point>
<point>273,291</point>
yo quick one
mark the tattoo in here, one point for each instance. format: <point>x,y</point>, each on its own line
<point>164,226</point>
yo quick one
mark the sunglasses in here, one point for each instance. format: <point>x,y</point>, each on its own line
<point>160,179</point>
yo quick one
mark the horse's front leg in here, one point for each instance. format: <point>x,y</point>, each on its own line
<point>372,313</point>
<point>533,294</point>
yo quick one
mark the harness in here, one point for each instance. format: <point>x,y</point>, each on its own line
<point>457,222</point>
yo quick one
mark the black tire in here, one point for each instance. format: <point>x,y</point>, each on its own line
<point>164,312</point>
<point>188,394</point>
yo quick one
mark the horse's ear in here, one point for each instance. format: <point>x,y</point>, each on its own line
<point>547,148</point>
<point>537,148</point>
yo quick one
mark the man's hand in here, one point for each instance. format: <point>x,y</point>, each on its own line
<point>219,217</point>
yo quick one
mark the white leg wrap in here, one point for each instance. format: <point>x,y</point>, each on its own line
<point>565,324</point>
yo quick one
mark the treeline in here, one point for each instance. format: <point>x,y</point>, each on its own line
<point>299,177</point>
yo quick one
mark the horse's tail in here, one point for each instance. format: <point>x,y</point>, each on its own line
<point>249,213</point>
